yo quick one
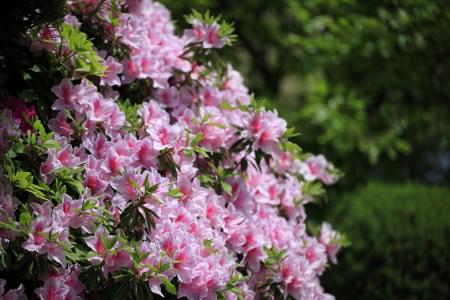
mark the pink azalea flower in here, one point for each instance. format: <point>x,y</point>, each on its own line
<point>197,34</point>
<point>131,70</point>
<point>266,128</point>
<point>68,213</point>
<point>60,125</point>
<point>210,96</point>
<point>164,136</point>
<point>317,167</point>
<point>208,35</point>
<point>184,263</point>
<point>93,180</point>
<point>115,261</point>
<point>13,294</point>
<point>55,250</point>
<point>213,39</point>
<point>99,109</point>
<point>129,184</point>
<point>215,131</point>
<point>96,144</point>
<point>38,237</point>
<point>46,238</point>
<point>66,157</point>
<point>151,112</point>
<point>66,96</point>
<point>72,20</point>
<point>147,154</point>
<point>316,255</point>
<point>115,121</point>
<point>113,68</point>
<point>113,162</point>
<point>49,165</point>
<point>54,288</point>
<point>23,114</point>
<point>113,257</point>
<point>95,242</point>
<point>331,240</point>
<point>168,97</point>
<point>234,89</point>
<point>48,37</point>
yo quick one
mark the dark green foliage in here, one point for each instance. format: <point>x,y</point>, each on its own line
<point>400,237</point>
<point>366,80</point>
<point>18,16</point>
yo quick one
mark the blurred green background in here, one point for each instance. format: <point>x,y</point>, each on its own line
<point>367,83</point>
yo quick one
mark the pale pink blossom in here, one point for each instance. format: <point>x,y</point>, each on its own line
<point>60,125</point>
<point>23,114</point>
<point>113,258</point>
<point>147,154</point>
<point>12,294</point>
<point>67,96</point>
<point>151,112</point>
<point>331,240</point>
<point>266,129</point>
<point>61,284</point>
<point>113,68</point>
<point>316,167</point>
<point>213,39</point>
<point>164,136</point>
<point>198,32</point>
<point>47,39</point>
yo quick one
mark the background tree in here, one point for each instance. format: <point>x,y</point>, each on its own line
<point>368,80</point>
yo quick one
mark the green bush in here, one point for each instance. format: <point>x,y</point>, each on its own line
<point>18,16</point>
<point>400,237</point>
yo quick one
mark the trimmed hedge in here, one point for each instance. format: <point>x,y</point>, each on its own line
<point>400,237</point>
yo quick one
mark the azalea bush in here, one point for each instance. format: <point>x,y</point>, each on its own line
<point>135,164</point>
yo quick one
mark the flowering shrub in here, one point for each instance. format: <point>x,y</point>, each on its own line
<point>144,168</point>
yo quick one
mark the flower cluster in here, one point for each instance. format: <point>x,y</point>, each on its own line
<point>189,187</point>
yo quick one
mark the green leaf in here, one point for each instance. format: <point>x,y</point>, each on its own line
<point>48,144</point>
<point>25,218</point>
<point>164,267</point>
<point>149,190</point>
<point>206,179</point>
<point>344,241</point>
<point>244,165</point>
<point>86,58</point>
<point>313,189</point>
<point>8,226</point>
<point>72,256</point>
<point>134,184</point>
<point>75,185</point>
<point>227,188</point>
<point>225,105</point>
<point>88,204</point>
<point>105,242</point>
<point>290,147</point>
<point>201,151</point>
<point>170,288</point>
<point>197,139</point>
<point>188,152</point>
<point>121,290</point>
<point>290,133</point>
<point>18,147</point>
<point>176,193</point>
<point>208,243</point>
<point>37,125</point>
